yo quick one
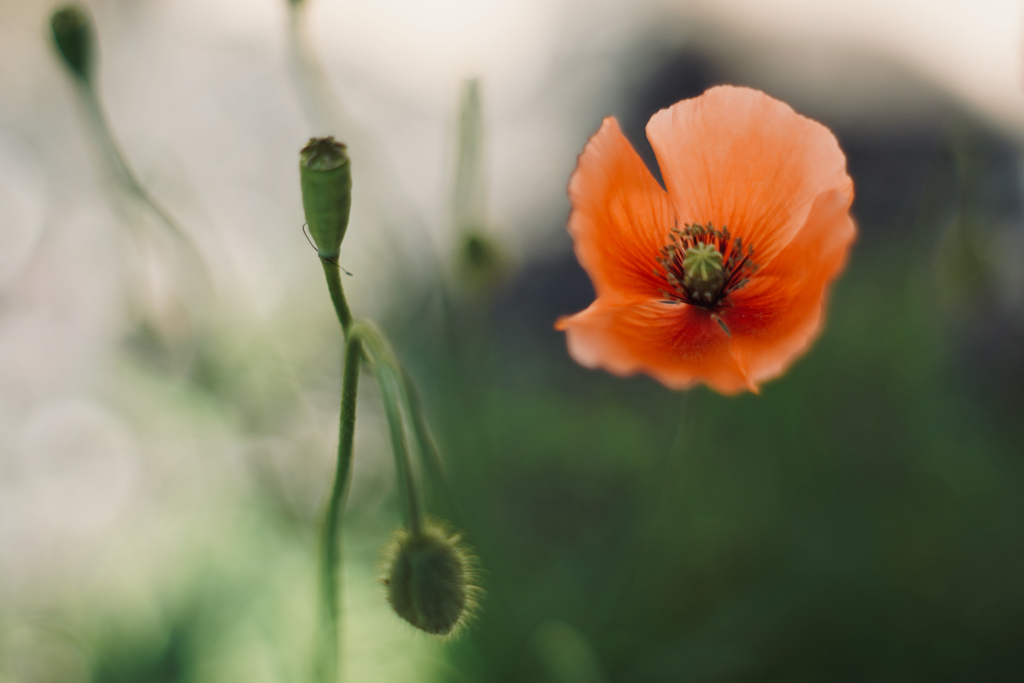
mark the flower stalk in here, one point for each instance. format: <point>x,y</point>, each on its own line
<point>176,317</point>
<point>326,184</point>
<point>433,572</point>
<point>333,274</point>
<point>331,570</point>
<point>479,254</point>
<point>385,366</point>
<point>426,448</point>
<point>75,39</point>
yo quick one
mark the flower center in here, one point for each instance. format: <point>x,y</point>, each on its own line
<point>703,266</point>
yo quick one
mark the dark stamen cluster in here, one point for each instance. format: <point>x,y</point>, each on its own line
<point>737,265</point>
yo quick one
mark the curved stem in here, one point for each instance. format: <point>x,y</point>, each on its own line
<point>333,275</point>
<point>385,366</point>
<point>122,172</point>
<point>362,340</point>
<point>332,553</point>
<point>425,443</point>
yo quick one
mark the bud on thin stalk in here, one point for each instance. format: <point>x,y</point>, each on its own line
<point>479,255</point>
<point>431,579</point>
<point>73,36</point>
<point>326,177</point>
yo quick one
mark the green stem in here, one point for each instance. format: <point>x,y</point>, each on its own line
<point>100,128</point>
<point>362,340</point>
<point>398,391</point>
<point>333,274</point>
<point>385,366</point>
<point>425,443</point>
<point>332,554</point>
<point>332,550</point>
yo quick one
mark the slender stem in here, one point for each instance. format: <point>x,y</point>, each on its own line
<point>195,284</point>
<point>390,391</point>
<point>402,393</point>
<point>118,166</point>
<point>470,201</point>
<point>333,274</point>
<point>388,372</point>
<point>425,442</point>
<point>332,552</point>
<point>361,340</point>
<point>321,106</point>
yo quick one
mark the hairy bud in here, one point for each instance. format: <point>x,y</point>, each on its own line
<point>431,580</point>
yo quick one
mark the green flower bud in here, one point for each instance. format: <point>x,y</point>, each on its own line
<point>431,580</point>
<point>326,177</point>
<point>73,36</point>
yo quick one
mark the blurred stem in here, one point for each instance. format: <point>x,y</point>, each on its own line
<point>470,180</point>
<point>100,130</point>
<point>389,377</point>
<point>333,274</point>
<point>940,205</point>
<point>321,107</point>
<point>332,551</point>
<point>425,444</point>
<point>396,390</point>
<point>178,317</point>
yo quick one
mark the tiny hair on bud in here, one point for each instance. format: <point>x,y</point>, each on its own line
<point>431,579</point>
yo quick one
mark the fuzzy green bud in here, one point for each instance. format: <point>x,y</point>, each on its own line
<point>430,579</point>
<point>704,276</point>
<point>73,36</point>
<point>326,177</point>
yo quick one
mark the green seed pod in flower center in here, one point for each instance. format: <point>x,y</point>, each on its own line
<point>704,276</point>
<point>326,177</point>
<point>73,35</point>
<point>430,579</point>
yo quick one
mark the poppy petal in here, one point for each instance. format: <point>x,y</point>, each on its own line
<point>740,159</point>
<point>620,216</point>
<point>677,344</point>
<point>777,315</point>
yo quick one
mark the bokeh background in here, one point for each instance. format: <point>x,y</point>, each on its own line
<point>167,440</point>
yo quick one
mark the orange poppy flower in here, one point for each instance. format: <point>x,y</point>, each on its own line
<point>722,276</point>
